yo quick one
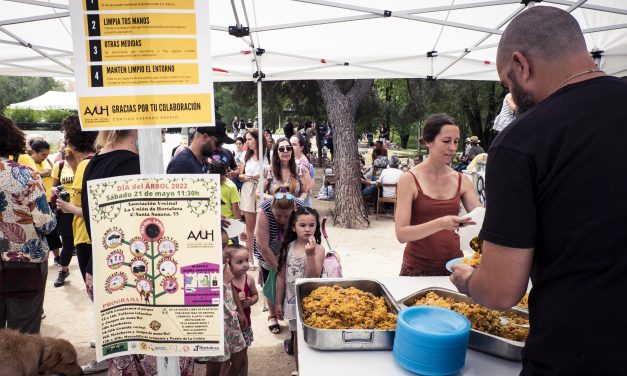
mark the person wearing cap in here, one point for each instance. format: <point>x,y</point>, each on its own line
<point>475,148</point>
<point>193,159</point>
<point>464,161</point>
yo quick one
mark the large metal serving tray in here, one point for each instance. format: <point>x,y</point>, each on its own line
<point>346,339</point>
<point>484,342</point>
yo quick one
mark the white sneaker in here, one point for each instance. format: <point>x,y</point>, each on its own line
<point>95,367</point>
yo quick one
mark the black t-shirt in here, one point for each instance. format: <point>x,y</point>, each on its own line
<point>227,157</point>
<point>114,163</point>
<point>186,162</point>
<point>555,183</point>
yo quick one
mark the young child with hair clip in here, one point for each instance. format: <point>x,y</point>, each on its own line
<point>302,256</point>
<point>244,286</point>
<point>233,360</point>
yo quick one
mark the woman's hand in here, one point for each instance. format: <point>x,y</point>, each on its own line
<point>310,247</point>
<point>453,222</point>
<point>67,207</point>
<point>243,323</point>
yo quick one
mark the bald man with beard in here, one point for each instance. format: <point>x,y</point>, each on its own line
<point>557,206</point>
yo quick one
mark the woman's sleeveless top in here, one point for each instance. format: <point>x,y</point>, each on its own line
<point>430,254</point>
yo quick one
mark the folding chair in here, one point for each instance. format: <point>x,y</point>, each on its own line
<point>382,200</point>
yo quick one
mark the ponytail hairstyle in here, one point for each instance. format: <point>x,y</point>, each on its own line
<point>110,138</point>
<point>282,199</point>
<point>290,234</point>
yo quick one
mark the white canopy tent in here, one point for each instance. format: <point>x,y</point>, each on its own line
<point>319,39</point>
<point>58,100</point>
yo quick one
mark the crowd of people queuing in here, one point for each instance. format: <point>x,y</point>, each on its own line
<point>46,201</point>
<point>537,226</point>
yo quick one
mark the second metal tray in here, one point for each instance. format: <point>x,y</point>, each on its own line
<point>481,341</point>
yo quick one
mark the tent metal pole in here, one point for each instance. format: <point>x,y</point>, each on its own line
<point>52,49</point>
<point>483,39</point>
<point>35,70</point>
<point>42,3</point>
<point>43,17</point>
<point>31,58</point>
<point>457,7</point>
<point>28,45</point>
<point>151,162</point>
<point>600,8</point>
<point>604,28</point>
<point>449,23</point>
<point>312,23</point>
<point>260,136</point>
<point>343,6</point>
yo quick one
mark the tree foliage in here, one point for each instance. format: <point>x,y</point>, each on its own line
<point>301,99</point>
<point>19,89</point>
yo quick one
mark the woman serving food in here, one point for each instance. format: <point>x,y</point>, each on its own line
<point>429,197</point>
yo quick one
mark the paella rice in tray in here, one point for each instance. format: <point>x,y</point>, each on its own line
<point>482,319</point>
<point>335,307</point>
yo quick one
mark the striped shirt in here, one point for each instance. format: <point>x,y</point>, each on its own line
<point>274,239</point>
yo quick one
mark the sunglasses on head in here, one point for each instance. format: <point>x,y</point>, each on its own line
<point>281,195</point>
<point>284,149</point>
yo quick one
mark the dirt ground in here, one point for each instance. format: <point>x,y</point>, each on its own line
<point>371,253</point>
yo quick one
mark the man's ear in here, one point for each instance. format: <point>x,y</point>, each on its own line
<point>521,66</point>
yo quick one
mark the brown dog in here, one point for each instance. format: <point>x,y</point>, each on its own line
<point>33,355</point>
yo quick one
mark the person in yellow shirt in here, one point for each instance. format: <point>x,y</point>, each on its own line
<point>79,150</point>
<point>24,160</point>
<point>39,155</point>
<point>40,149</point>
<point>62,174</point>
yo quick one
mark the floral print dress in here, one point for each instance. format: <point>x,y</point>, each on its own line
<point>25,214</point>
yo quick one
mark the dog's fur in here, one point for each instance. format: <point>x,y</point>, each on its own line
<point>33,355</point>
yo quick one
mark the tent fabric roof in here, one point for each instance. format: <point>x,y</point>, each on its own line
<point>60,100</point>
<point>319,39</point>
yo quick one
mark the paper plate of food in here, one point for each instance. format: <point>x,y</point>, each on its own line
<point>452,262</point>
<point>473,260</point>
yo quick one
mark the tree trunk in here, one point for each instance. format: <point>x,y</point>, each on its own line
<point>404,141</point>
<point>350,211</point>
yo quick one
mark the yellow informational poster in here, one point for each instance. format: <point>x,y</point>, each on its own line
<point>157,263</point>
<point>157,51</point>
<point>143,49</point>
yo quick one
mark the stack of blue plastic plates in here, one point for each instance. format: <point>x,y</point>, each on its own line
<point>431,340</point>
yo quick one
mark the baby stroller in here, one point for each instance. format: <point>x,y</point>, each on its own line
<point>332,268</point>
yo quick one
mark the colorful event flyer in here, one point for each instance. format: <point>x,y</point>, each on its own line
<point>142,63</point>
<point>157,262</point>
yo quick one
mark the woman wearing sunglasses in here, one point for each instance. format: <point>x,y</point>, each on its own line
<point>272,218</point>
<point>285,172</point>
